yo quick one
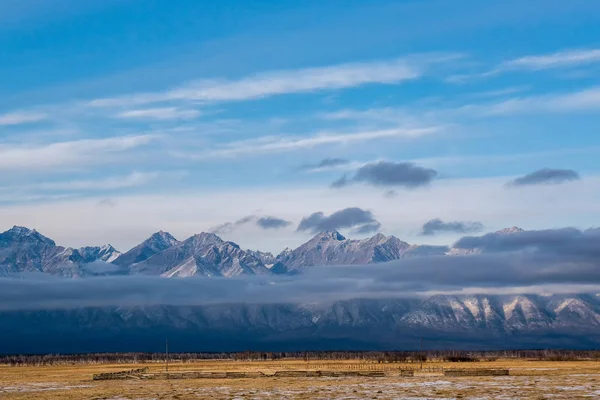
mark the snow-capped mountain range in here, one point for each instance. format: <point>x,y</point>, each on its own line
<point>446,321</point>
<point>26,250</point>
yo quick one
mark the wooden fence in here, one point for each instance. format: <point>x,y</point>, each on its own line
<point>129,374</point>
<point>476,372</point>
<point>142,373</point>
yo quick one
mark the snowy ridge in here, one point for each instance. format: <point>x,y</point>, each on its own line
<point>331,248</point>
<point>206,254</point>
<point>203,254</point>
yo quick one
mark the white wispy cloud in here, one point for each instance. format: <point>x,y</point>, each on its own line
<point>350,166</point>
<point>133,179</point>
<point>21,117</point>
<point>580,101</point>
<point>384,115</point>
<point>22,198</point>
<point>81,188</point>
<point>569,58</point>
<point>163,113</point>
<point>272,144</point>
<point>554,60</point>
<point>40,191</point>
<point>72,153</point>
<point>486,159</point>
<point>278,82</point>
<point>500,92</point>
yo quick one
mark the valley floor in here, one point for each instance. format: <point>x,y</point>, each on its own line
<point>528,380</point>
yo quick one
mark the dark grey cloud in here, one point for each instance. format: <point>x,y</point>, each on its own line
<point>341,182</point>
<point>272,223</point>
<point>436,225</point>
<point>367,228</point>
<point>546,176</point>
<point>352,217</point>
<point>229,227</point>
<point>385,173</point>
<point>268,222</point>
<point>564,242</point>
<point>325,163</point>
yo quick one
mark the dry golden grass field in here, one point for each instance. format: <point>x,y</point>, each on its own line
<point>527,380</point>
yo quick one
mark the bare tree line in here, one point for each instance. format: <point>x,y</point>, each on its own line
<point>307,356</point>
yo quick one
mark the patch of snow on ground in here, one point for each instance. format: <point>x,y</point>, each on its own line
<point>39,387</point>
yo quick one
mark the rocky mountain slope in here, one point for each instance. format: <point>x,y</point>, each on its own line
<point>445,322</point>
<point>105,253</point>
<point>203,254</point>
<point>331,248</point>
<point>153,245</point>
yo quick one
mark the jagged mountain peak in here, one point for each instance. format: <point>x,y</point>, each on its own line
<point>284,253</point>
<point>381,239</point>
<point>23,234</point>
<point>163,237</point>
<point>205,238</point>
<point>331,248</point>
<point>267,258</point>
<point>201,254</point>
<point>156,243</point>
<point>329,235</point>
<point>108,247</point>
<point>106,253</point>
<point>380,236</point>
<point>21,230</point>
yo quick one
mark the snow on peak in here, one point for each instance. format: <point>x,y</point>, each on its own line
<point>206,237</point>
<point>21,233</point>
<point>164,238</point>
<point>378,238</point>
<point>107,247</point>
<point>106,253</point>
<point>330,234</point>
<point>21,230</point>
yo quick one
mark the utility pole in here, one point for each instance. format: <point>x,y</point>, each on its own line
<point>167,354</point>
<point>421,352</point>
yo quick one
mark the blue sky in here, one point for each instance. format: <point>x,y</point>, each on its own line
<point>122,117</point>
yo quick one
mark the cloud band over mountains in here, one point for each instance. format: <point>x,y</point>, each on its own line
<point>550,243</point>
<point>413,277</point>
<point>564,260</point>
